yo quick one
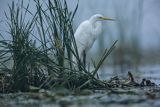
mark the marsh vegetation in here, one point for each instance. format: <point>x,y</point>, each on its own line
<point>41,50</point>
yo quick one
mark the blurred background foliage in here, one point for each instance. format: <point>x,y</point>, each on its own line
<point>135,28</point>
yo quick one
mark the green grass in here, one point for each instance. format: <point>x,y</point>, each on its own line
<point>44,59</point>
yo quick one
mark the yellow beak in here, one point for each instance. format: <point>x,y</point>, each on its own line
<point>106,18</point>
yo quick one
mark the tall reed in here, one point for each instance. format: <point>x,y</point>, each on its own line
<point>44,58</point>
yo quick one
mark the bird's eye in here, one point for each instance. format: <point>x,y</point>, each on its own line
<point>100,17</point>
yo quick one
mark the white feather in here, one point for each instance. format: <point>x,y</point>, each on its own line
<point>86,34</point>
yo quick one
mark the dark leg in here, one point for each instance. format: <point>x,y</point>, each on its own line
<point>84,58</point>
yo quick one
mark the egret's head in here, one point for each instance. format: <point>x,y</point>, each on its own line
<point>99,17</point>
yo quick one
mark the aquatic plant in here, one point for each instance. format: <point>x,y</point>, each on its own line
<point>41,48</point>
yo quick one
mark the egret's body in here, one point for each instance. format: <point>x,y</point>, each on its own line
<point>87,33</point>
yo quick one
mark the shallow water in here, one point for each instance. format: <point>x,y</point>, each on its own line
<point>126,97</point>
<point>151,72</point>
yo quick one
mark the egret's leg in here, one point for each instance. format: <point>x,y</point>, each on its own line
<point>84,58</point>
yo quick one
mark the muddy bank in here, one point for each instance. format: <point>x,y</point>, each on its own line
<point>121,97</point>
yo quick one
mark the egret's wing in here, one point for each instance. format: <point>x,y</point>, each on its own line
<point>83,33</point>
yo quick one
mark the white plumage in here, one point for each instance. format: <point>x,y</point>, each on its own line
<point>87,33</point>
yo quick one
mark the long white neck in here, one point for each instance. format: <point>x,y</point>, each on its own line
<point>97,26</point>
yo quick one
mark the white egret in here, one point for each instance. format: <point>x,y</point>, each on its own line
<point>87,33</point>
